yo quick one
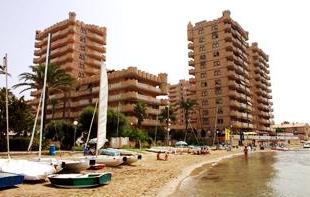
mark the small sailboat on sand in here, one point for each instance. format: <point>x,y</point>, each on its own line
<point>31,170</point>
<point>90,179</point>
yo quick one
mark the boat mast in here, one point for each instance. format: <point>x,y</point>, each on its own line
<point>43,92</point>
<point>5,64</point>
<point>35,124</point>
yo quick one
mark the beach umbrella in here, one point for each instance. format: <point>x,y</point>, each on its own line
<point>181,143</point>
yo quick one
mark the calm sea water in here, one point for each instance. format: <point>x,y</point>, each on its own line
<point>279,174</point>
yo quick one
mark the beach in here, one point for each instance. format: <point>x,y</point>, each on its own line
<point>148,177</point>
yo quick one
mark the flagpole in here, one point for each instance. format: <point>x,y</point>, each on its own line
<point>5,64</point>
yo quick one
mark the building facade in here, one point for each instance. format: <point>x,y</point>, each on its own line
<point>182,91</point>
<point>76,47</point>
<point>219,65</point>
<point>300,129</point>
<point>260,89</point>
<point>126,87</point>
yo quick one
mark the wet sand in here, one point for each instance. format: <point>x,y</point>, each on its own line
<point>148,177</point>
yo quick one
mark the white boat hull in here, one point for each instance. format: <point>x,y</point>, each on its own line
<point>76,165</point>
<point>111,161</point>
<point>31,170</point>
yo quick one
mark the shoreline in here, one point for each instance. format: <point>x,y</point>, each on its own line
<point>171,187</point>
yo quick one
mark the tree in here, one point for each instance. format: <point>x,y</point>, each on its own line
<point>57,80</point>
<point>187,106</point>
<point>53,102</point>
<point>140,112</point>
<point>167,115</point>
<point>61,130</point>
<point>20,115</point>
<point>2,70</point>
<point>85,121</point>
<point>115,120</point>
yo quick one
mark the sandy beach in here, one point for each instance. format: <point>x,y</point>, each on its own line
<point>148,177</point>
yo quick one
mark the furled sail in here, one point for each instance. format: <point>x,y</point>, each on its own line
<point>103,107</point>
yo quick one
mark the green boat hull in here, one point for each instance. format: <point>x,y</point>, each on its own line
<point>80,180</point>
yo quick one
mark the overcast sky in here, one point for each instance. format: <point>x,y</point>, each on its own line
<point>152,35</point>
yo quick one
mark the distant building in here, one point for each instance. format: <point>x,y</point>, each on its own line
<point>182,91</point>
<point>261,89</point>
<point>300,129</point>
<point>221,65</point>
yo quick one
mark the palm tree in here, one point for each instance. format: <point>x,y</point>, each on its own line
<point>57,79</point>
<point>166,115</point>
<point>187,106</point>
<point>140,112</point>
<point>53,102</point>
<point>2,70</point>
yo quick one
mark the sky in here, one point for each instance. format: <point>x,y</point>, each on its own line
<point>152,35</point>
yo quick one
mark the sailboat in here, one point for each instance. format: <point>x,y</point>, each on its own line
<point>102,121</point>
<point>90,179</point>
<point>31,170</point>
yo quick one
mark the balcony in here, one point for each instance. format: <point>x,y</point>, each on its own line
<point>191,63</point>
<point>133,96</point>
<point>190,46</point>
<point>192,81</point>
<point>191,54</point>
<point>134,84</point>
<point>192,72</point>
<point>61,59</point>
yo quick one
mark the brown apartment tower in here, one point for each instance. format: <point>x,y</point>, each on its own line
<point>225,76</point>
<point>260,89</point>
<point>76,47</point>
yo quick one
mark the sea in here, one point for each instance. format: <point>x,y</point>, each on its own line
<point>279,174</point>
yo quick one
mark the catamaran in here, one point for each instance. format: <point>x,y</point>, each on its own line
<point>89,179</point>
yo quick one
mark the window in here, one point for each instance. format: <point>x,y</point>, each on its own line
<point>218,100</point>
<point>82,48</point>
<point>202,48</point>
<point>203,84</point>
<point>83,39</point>
<point>204,102</point>
<point>81,65</point>
<point>215,35</point>
<point>218,90</point>
<point>83,30</point>
<point>201,39</point>
<point>82,57</point>
<point>203,75</point>
<point>200,30</point>
<point>204,93</point>
<point>216,63</point>
<point>215,44</point>
<point>203,57</point>
<point>203,65</point>
<point>219,110</point>
<point>205,121</point>
<point>217,72</point>
<point>205,112</point>
<point>214,27</point>
<point>81,74</point>
<point>216,53</point>
<point>220,121</point>
<point>217,82</point>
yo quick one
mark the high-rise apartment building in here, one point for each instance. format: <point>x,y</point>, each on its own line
<point>182,91</point>
<point>76,47</point>
<point>220,65</point>
<point>260,88</point>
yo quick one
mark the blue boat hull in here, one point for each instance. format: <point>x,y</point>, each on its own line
<point>10,180</point>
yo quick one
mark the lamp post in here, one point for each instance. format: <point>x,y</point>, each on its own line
<point>75,123</point>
